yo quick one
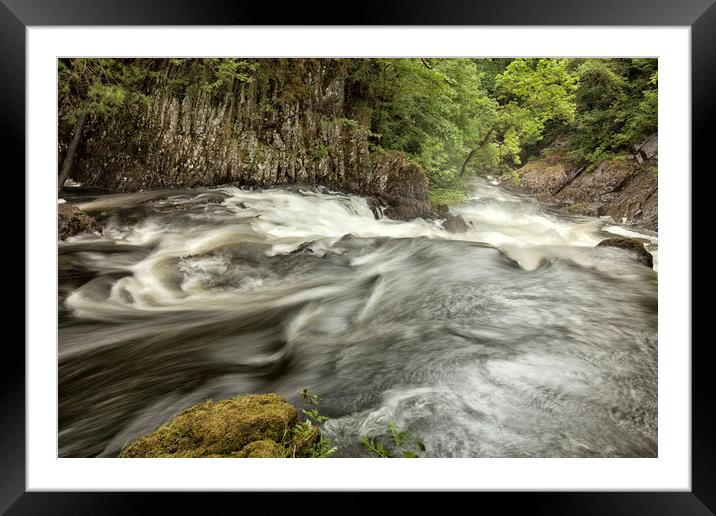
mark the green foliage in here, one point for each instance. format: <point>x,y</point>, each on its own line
<point>430,110</point>
<point>349,122</point>
<point>532,92</point>
<point>452,116</point>
<point>305,431</point>
<point>312,400</point>
<point>489,115</point>
<point>100,86</point>
<point>617,105</point>
<point>219,77</point>
<point>448,197</point>
<point>375,447</point>
<point>228,71</point>
<point>447,188</point>
<point>321,151</point>
<point>395,443</point>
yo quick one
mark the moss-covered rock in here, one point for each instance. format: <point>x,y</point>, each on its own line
<point>244,426</point>
<point>72,221</point>
<point>265,448</point>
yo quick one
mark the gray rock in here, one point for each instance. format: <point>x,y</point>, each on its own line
<point>72,221</point>
<point>636,247</point>
<point>455,223</point>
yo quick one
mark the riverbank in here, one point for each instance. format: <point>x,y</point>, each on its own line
<point>296,122</point>
<point>624,188</point>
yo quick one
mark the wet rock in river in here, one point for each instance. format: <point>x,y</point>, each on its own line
<point>72,221</point>
<point>455,223</point>
<point>633,245</point>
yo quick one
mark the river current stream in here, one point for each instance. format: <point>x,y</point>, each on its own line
<point>517,338</point>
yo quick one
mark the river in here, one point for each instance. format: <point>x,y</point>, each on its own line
<point>517,338</point>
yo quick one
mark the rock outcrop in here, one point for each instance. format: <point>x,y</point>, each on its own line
<point>634,246</point>
<point>625,188</point>
<point>452,223</point>
<point>72,221</point>
<point>259,425</point>
<point>299,126</point>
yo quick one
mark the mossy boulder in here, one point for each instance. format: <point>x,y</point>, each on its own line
<point>265,448</point>
<point>72,221</point>
<point>244,426</point>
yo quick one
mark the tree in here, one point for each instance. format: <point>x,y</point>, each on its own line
<point>529,93</point>
<point>616,105</point>
<point>99,88</point>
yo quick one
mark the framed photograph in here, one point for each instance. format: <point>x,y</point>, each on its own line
<point>427,233</point>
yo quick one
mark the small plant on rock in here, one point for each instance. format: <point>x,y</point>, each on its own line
<point>400,444</point>
<point>306,438</point>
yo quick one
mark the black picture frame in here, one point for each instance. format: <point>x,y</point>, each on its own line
<point>700,15</point>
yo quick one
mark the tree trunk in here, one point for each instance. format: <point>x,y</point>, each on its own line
<point>479,146</point>
<point>467,160</point>
<point>69,157</point>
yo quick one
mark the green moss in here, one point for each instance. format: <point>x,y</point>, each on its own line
<point>541,166</point>
<point>258,425</point>
<point>348,122</point>
<point>218,428</point>
<point>265,448</point>
<point>322,151</point>
<point>178,87</point>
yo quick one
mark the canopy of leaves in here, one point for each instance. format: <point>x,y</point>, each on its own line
<point>100,86</point>
<point>488,115</point>
<point>616,105</point>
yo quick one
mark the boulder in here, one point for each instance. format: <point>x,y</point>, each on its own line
<point>244,426</point>
<point>72,221</point>
<point>304,248</point>
<point>407,209</point>
<point>455,223</point>
<point>406,193</point>
<point>633,245</point>
<point>375,206</point>
<point>212,198</point>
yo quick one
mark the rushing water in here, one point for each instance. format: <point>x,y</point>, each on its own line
<point>518,338</point>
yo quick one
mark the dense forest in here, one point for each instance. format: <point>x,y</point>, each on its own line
<point>412,257</point>
<point>452,117</point>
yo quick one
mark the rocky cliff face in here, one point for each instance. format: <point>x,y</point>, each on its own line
<point>295,127</point>
<point>625,189</point>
